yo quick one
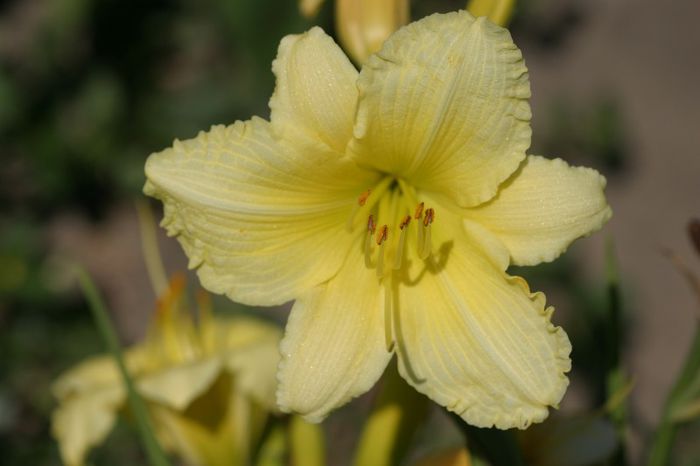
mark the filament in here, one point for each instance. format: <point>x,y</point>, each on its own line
<point>398,257</point>
<point>388,325</point>
<point>367,200</point>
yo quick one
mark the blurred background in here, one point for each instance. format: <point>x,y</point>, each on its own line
<point>89,88</point>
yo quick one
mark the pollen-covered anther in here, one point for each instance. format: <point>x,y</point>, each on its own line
<point>419,210</point>
<point>404,223</point>
<point>362,199</point>
<point>371,228</point>
<point>429,217</point>
<point>371,225</point>
<point>383,234</point>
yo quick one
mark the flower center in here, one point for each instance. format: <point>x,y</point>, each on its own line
<point>394,221</point>
<point>392,215</point>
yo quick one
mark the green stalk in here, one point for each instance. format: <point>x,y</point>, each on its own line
<point>154,453</point>
<point>307,443</point>
<point>398,412</point>
<point>666,432</point>
<point>616,380</point>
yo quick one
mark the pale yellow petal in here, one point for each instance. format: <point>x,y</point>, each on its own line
<point>313,105</point>
<point>261,221</point>
<point>82,421</point>
<point>178,385</point>
<point>92,373</point>
<point>219,428</point>
<point>334,347</point>
<point>543,207</point>
<point>444,106</point>
<point>476,340</point>
<point>89,396</point>
<point>364,25</point>
<point>253,366</point>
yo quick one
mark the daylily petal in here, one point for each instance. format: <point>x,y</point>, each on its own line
<point>334,347</point>
<point>217,429</point>
<point>261,222</point>
<point>178,385</point>
<point>476,340</point>
<point>444,105</point>
<point>254,365</point>
<point>84,420</point>
<point>314,100</point>
<point>92,373</point>
<point>543,207</point>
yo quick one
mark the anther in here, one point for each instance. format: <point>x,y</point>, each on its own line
<point>383,234</point>
<point>404,223</point>
<point>371,226</point>
<point>363,197</point>
<point>419,210</point>
<point>429,217</point>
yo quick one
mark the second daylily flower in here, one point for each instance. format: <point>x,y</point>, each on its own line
<point>389,204</point>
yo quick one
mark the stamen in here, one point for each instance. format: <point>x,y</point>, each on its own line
<point>398,257</point>
<point>429,217</point>
<point>382,236</point>
<point>371,227</point>
<point>365,202</point>
<point>427,247</point>
<point>419,211</point>
<point>363,197</point>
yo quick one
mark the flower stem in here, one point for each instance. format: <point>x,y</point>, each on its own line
<point>616,382</point>
<point>307,443</point>
<point>155,454</point>
<point>399,411</point>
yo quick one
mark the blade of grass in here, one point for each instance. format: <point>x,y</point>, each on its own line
<point>616,379</point>
<point>154,453</point>
<point>662,444</point>
<point>398,413</point>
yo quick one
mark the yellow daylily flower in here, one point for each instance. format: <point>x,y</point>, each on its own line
<point>209,388</point>
<point>389,204</point>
